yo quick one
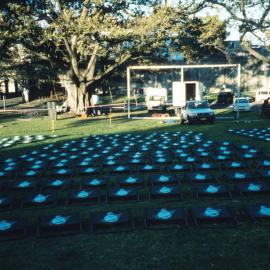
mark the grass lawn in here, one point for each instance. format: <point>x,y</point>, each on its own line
<point>246,247</point>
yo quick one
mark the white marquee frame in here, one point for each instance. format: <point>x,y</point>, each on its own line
<point>181,68</point>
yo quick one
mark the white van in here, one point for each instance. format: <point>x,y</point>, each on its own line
<point>262,95</point>
<point>156,98</point>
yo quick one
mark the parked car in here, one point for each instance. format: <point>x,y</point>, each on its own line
<point>197,111</point>
<point>225,98</point>
<point>242,103</point>
<point>250,98</point>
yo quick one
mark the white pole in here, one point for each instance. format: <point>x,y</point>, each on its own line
<point>238,87</point>
<point>128,90</point>
<point>182,74</point>
<point>4,102</point>
<point>157,67</point>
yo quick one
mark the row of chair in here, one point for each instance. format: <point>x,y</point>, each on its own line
<point>129,194</point>
<point>130,152</point>
<point>261,166</point>
<point>79,161</point>
<point>192,162</point>
<point>123,220</point>
<point>260,134</point>
<point>137,180</point>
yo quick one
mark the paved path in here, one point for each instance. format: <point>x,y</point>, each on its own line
<point>10,102</point>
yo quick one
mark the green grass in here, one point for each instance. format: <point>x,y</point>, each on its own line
<point>246,247</point>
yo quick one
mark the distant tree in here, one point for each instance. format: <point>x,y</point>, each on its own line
<point>202,38</point>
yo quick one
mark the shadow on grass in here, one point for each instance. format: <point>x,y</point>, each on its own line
<point>5,118</point>
<point>76,128</point>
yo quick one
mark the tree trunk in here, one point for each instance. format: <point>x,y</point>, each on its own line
<point>78,96</point>
<point>83,98</point>
<point>72,96</point>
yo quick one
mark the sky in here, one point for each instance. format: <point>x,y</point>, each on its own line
<point>232,29</point>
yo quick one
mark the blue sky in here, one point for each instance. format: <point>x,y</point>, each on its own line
<point>233,33</point>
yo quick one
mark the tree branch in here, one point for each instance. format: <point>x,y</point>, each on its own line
<point>109,69</point>
<point>91,61</point>
<point>73,59</point>
<point>256,54</point>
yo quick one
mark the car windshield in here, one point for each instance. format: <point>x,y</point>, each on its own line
<point>197,104</point>
<point>243,100</point>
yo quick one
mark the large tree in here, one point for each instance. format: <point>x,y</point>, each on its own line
<point>84,40</point>
<point>253,19</point>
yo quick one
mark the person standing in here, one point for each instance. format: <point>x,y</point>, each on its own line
<point>25,94</point>
<point>265,106</point>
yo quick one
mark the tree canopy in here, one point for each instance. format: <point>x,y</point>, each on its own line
<point>253,19</point>
<point>85,40</point>
<point>202,39</point>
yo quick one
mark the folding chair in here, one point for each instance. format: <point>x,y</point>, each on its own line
<point>132,180</point>
<point>221,157</point>
<point>37,171</point>
<point>204,154</point>
<point>205,166</point>
<point>164,179</point>
<point>122,194</point>
<point>162,159</point>
<point>238,175</point>
<point>85,162</point>
<point>63,163</point>
<point>245,147</point>
<point>178,167</point>
<point>8,172</point>
<point>28,184</point>
<point>149,168</point>
<point>226,143</point>
<point>62,172</point>
<point>95,182</point>
<point>54,225</point>
<point>88,170</point>
<point>164,217</point>
<point>265,163</point>
<point>111,221</point>
<point>265,174</point>
<point>6,202</point>
<point>201,177</point>
<point>83,196</point>
<point>3,174</point>
<point>234,165</point>
<point>190,159</point>
<point>248,156</point>
<point>167,192</point>
<point>213,216</point>
<point>40,199</point>
<point>57,184</point>
<point>120,169</point>
<point>110,164</point>
<point>253,188</point>
<point>12,228</point>
<point>259,213</point>
<point>212,190</point>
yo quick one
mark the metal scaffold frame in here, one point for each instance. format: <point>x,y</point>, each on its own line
<point>181,68</point>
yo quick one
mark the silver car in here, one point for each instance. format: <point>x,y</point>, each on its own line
<point>197,111</point>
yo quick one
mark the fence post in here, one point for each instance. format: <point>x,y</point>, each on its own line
<point>52,114</point>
